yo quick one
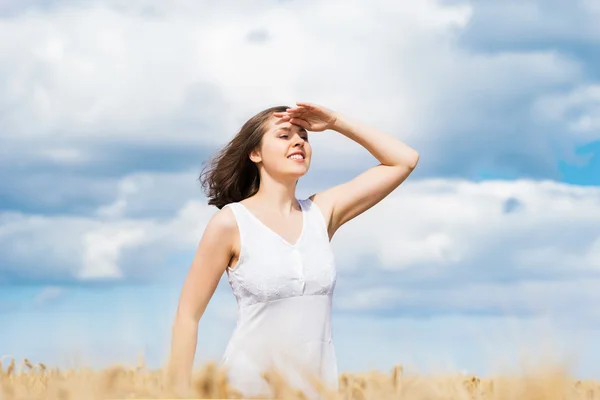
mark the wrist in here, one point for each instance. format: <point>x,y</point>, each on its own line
<point>340,124</point>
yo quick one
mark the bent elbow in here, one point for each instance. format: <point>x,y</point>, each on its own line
<point>416,160</point>
<point>413,160</point>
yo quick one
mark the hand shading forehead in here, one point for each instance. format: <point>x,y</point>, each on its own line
<point>287,126</point>
<point>291,128</point>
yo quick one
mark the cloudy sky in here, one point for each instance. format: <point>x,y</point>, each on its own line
<point>490,252</point>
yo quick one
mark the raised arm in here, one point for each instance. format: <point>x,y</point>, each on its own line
<point>213,255</point>
<point>350,199</point>
<point>342,203</point>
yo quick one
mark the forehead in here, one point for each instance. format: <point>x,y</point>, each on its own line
<point>277,125</point>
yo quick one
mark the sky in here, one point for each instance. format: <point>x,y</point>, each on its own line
<point>488,255</point>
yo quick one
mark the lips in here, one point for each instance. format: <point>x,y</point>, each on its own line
<point>296,156</point>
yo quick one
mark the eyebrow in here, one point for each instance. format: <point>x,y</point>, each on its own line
<point>287,128</point>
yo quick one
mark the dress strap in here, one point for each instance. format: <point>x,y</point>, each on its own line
<point>240,218</point>
<point>316,217</point>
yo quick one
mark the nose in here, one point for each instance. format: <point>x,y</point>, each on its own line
<point>298,140</point>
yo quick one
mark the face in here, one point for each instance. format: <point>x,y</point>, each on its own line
<point>284,151</point>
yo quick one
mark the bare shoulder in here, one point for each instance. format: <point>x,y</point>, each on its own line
<point>222,224</point>
<point>220,241</point>
<point>325,202</point>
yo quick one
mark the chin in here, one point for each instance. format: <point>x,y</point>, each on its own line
<point>298,173</point>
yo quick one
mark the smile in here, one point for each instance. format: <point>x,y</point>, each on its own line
<point>296,157</point>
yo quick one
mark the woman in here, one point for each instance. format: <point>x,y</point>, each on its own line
<point>276,249</point>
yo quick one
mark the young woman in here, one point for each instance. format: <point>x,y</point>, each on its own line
<point>275,248</point>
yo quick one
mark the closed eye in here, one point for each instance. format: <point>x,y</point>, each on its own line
<point>304,136</point>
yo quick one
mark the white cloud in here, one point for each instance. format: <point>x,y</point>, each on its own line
<point>534,20</point>
<point>113,325</point>
<point>108,71</point>
<point>433,245</point>
<point>102,248</point>
<point>453,222</point>
<point>190,73</point>
<point>47,294</point>
<point>79,81</point>
<point>64,156</point>
<point>33,246</point>
<point>95,79</point>
<point>579,108</point>
<point>520,297</point>
<point>169,192</point>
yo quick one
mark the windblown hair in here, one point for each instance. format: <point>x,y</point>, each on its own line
<point>231,176</point>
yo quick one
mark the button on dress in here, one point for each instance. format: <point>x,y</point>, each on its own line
<point>284,296</point>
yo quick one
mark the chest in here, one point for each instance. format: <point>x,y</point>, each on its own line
<point>289,230</point>
<point>284,271</point>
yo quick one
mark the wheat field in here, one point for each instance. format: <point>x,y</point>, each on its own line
<point>26,380</point>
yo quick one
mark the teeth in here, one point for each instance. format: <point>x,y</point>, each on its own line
<point>296,157</point>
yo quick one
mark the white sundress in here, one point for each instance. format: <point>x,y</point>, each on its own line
<point>284,295</point>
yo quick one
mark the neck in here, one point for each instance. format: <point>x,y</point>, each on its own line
<point>277,194</point>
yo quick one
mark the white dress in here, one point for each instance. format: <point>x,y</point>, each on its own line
<point>284,296</point>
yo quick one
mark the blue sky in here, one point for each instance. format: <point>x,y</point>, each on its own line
<point>108,110</point>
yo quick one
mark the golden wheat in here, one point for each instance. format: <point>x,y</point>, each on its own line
<point>37,381</point>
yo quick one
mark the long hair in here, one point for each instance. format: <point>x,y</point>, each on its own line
<point>231,176</point>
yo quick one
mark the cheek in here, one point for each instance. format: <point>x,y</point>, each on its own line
<point>273,152</point>
<point>308,150</point>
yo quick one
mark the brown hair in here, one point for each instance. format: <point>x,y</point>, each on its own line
<point>231,176</point>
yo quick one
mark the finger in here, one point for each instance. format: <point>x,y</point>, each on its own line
<point>282,115</point>
<point>304,104</point>
<point>297,111</point>
<point>300,122</point>
<point>297,108</point>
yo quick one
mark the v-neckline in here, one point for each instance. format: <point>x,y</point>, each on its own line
<point>284,240</point>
